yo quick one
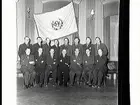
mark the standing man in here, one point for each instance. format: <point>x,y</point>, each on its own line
<point>77,45</point>
<point>76,67</point>
<point>100,45</point>
<point>40,64</point>
<point>57,53</point>
<point>52,63</point>
<point>27,68</point>
<point>37,45</point>
<point>66,46</point>
<point>24,46</point>
<point>100,69</point>
<point>89,46</point>
<point>46,47</point>
<point>64,63</point>
<point>88,62</point>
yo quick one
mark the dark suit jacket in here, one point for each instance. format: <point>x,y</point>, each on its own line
<point>46,49</point>
<point>25,65</point>
<point>74,60</point>
<point>88,62</point>
<point>100,62</point>
<point>90,47</point>
<point>35,48</point>
<point>64,62</point>
<point>56,51</point>
<point>22,49</point>
<point>52,62</point>
<point>40,63</point>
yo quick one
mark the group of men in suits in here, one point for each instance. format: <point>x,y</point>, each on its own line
<point>68,64</point>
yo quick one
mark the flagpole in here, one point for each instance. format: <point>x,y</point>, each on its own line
<point>36,28</point>
<point>75,17</point>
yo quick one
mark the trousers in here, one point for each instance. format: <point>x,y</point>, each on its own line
<point>29,77</point>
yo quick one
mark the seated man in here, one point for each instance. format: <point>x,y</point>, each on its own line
<point>75,67</point>
<point>88,62</point>
<point>100,69</point>
<point>40,67</point>
<point>52,62</point>
<point>64,63</point>
<point>27,68</point>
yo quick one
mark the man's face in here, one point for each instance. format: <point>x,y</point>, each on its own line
<point>48,40</point>
<point>64,52</point>
<point>56,42</point>
<point>39,40</point>
<point>97,41</point>
<point>100,52</point>
<point>28,51</point>
<point>76,51</point>
<point>88,52</point>
<point>87,40</point>
<point>40,50</point>
<point>26,40</point>
<point>52,42</point>
<point>66,41</point>
<point>52,51</point>
<point>76,41</point>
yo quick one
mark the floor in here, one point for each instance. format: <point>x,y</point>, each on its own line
<point>67,96</point>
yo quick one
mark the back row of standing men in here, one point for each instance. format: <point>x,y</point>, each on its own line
<point>81,59</point>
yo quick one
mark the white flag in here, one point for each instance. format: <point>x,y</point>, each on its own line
<point>56,24</point>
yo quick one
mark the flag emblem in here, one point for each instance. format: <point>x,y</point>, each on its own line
<point>57,25</point>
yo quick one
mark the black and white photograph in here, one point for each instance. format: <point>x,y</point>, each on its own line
<point>67,52</point>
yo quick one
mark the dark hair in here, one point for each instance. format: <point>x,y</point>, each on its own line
<point>26,37</point>
<point>88,49</point>
<point>78,39</point>
<point>28,48</point>
<point>97,38</point>
<point>40,48</point>
<point>89,39</point>
<point>67,40</point>
<point>29,39</point>
<point>51,48</point>
<point>39,37</point>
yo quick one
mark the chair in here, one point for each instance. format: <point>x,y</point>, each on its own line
<point>112,71</point>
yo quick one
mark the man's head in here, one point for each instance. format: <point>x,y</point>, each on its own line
<point>52,42</point>
<point>66,41</point>
<point>51,51</point>
<point>48,41</point>
<point>26,40</point>
<point>100,52</point>
<point>28,51</point>
<point>76,40</point>
<point>56,42</point>
<point>97,40</point>
<point>87,51</point>
<point>40,50</point>
<point>76,51</point>
<point>88,40</point>
<point>64,51</point>
<point>39,40</point>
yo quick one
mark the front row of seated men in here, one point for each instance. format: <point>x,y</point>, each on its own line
<point>64,68</point>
